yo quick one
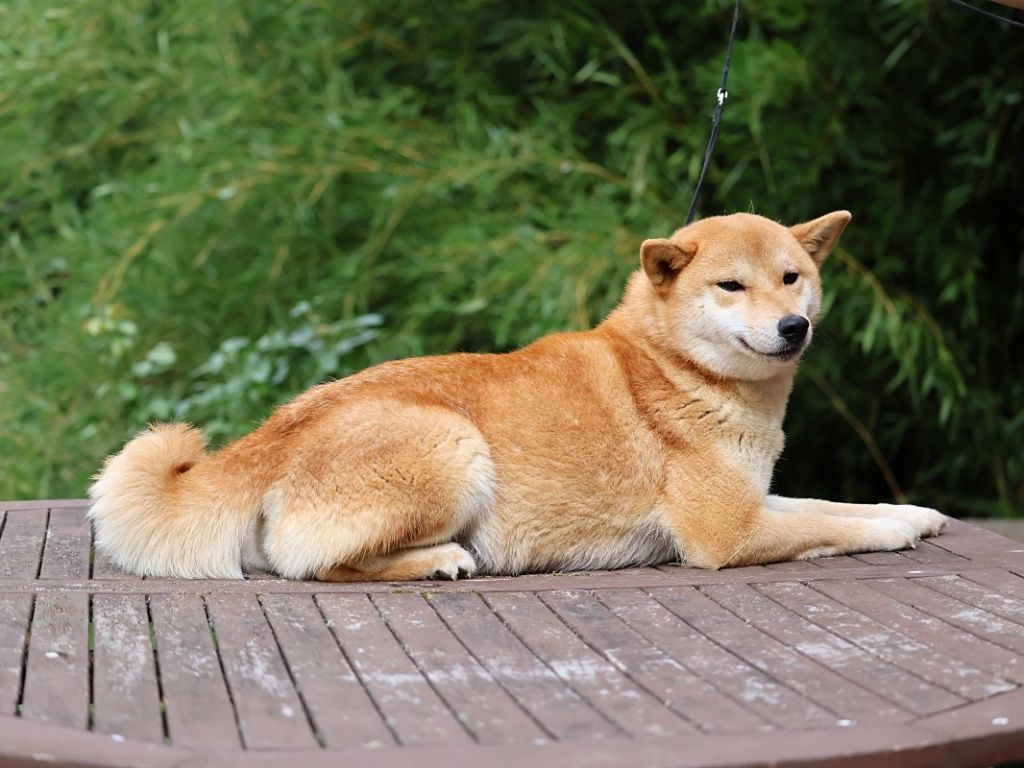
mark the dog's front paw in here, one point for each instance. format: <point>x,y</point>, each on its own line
<point>889,534</point>
<point>927,522</point>
<point>452,561</point>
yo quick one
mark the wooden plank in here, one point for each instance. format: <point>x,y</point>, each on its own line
<point>410,706</point>
<point>880,558</point>
<point>21,543</point>
<point>848,700</point>
<point>1008,606</point>
<point>929,629</point>
<point>683,577</point>
<point>43,504</point>
<point>104,569</point>
<point>68,540</point>
<point>905,651</point>
<point>198,707</point>
<point>794,568</point>
<point>969,617</point>
<point>930,554</point>
<point>341,710</point>
<point>57,674</point>
<point>837,562</point>
<point>268,707</point>
<point>1003,581</point>
<point>126,700</point>
<point>832,651</point>
<point>727,691</point>
<point>659,673</point>
<point>592,676</point>
<point>482,706</point>
<point>533,684</point>
<point>15,612</point>
<point>972,542</point>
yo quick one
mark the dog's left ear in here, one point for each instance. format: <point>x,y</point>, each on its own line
<point>819,237</point>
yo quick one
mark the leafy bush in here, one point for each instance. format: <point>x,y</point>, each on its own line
<point>179,178</point>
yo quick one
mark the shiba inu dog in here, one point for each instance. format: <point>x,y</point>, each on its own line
<point>651,438</point>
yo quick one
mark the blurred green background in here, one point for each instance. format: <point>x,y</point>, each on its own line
<point>209,205</point>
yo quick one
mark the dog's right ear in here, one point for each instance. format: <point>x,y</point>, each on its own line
<point>663,259</point>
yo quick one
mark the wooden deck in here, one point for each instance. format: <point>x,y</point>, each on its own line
<point>908,659</point>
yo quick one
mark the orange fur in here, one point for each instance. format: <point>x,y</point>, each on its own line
<point>650,438</point>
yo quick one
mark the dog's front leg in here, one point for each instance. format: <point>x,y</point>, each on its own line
<point>766,535</point>
<point>927,522</point>
<point>719,521</point>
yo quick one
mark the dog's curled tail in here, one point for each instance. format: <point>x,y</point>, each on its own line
<point>163,506</point>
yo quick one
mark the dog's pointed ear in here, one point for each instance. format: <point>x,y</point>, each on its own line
<point>663,259</point>
<point>819,237</point>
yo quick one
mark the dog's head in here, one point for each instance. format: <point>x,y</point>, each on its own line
<point>739,294</point>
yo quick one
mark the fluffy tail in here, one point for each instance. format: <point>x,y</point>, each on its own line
<point>163,506</point>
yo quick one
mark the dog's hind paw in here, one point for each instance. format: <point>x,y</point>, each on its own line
<point>452,561</point>
<point>927,522</point>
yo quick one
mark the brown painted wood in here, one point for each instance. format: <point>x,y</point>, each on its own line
<point>832,651</point>
<point>338,704</point>
<point>43,504</point>
<point>839,562</point>
<point>972,542</point>
<point>15,611</point>
<point>535,583</point>
<point>542,693</point>
<point>126,699</point>
<point>102,569</point>
<point>929,553</point>
<point>1008,606</point>
<point>831,662</point>
<point>968,617</point>
<point>663,675</point>
<point>880,558</point>
<point>411,707</point>
<point>950,671</point>
<point>68,542</point>
<point>1001,580</point>
<point>480,703</point>
<point>197,705</point>
<point>848,700</point>
<point>593,677</point>
<point>929,629</point>
<point>729,693</point>
<point>269,711</point>
<point>57,674</point>
<point>21,543</point>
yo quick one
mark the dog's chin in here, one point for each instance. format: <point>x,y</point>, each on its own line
<point>785,354</point>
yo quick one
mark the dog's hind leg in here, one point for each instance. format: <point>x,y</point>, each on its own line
<point>442,561</point>
<point>380,493</point>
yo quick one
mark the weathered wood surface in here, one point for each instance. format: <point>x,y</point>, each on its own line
<point>884,659</point>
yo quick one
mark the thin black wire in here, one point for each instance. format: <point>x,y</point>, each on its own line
<point>716,119</point>
<point>995,16</point>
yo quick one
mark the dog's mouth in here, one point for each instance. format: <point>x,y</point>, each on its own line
<point>785,354</point>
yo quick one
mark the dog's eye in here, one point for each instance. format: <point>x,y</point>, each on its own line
<point>790,277</point>
<point>730,286</point>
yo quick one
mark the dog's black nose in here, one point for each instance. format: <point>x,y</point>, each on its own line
<point>793,328</point>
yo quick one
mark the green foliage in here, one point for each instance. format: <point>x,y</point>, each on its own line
<point>208,206</point>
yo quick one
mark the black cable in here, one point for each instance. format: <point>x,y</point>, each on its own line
<point>716,119</point>
<point>995,16</point>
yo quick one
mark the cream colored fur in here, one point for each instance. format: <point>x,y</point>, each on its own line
<point>648,439</point>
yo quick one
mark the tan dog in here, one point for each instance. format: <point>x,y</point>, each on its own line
<point>649,439</point>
